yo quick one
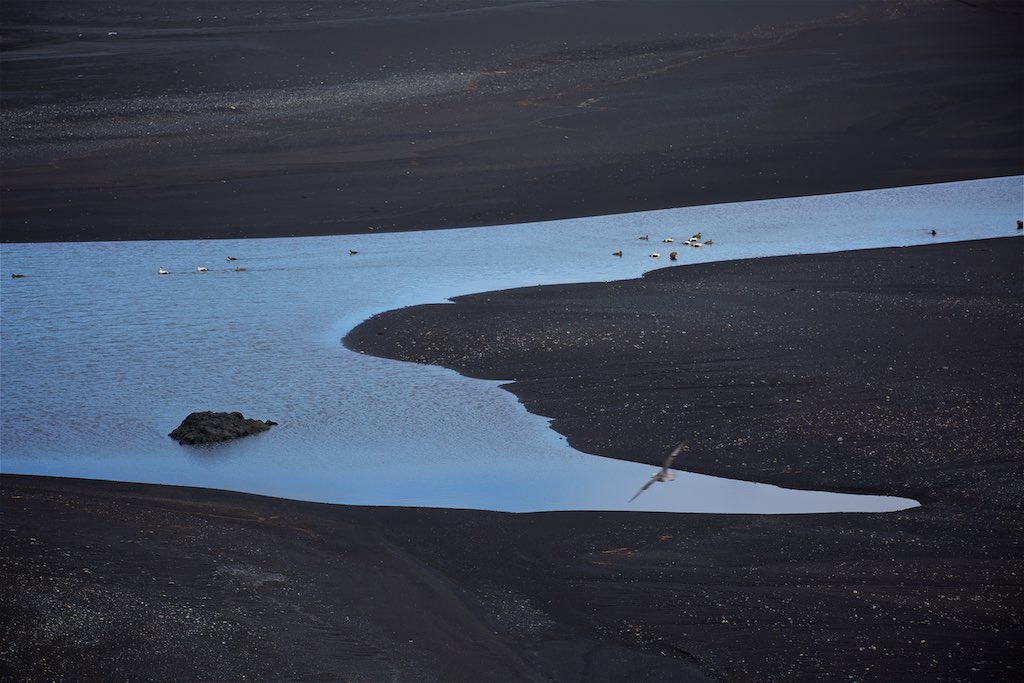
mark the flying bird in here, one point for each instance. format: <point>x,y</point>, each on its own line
<point>664,474</point>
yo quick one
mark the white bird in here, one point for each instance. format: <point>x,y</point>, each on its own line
<point>656,254</point>
<point>162,271</point>
<point>200,269</point>
<point>697,245</point>
<point>664,474</point>
<point>667,240</point>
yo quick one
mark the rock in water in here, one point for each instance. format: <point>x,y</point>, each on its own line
<point>209,427</point>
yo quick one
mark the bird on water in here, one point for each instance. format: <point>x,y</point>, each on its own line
<point>664,474</point>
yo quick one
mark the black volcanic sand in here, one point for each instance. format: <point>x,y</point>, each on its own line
<point>912,357</point>
<point>242,119</point>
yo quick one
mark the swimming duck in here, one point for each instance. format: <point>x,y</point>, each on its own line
<point>667,240</point>
<point>232,258</point>
<point>672,256</point>
<point>15,276</point>
<point>656,254</point>
<point>200,269</point>
<point>708,243</point>
<point>616,253</point>
<point>162,271</point>
<point>644,237</point>
<point>352,252</point>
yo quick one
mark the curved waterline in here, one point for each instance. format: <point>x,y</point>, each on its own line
<point>357,429</point>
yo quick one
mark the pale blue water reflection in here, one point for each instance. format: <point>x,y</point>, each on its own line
<point>101,357</point>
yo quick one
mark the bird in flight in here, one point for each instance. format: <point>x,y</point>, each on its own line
<point>664,474</point>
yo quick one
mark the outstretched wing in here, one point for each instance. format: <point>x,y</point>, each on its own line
<point>672,456</point>
<point>642,489</point>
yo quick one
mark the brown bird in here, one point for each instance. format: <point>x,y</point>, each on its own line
<point>644,237</point>
<point>616,253</point>
<point>1020,225</point>
<point>664,474</point>
<point>672,256</point>
<point>352,252</point>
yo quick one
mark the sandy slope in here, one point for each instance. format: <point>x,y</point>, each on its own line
<point>314,117</point>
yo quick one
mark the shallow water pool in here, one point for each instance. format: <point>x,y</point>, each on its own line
<point>100,357</point>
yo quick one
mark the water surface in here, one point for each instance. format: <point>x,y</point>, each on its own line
<point>101,357</point>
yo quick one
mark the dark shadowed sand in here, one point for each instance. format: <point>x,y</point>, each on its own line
<point>893,371</point>
<point>243,119</point>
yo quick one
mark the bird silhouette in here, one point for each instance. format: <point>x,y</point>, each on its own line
<point>664,474</point>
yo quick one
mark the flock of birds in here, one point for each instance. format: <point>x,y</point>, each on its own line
<point>202,269</point>
<point>694,241</point>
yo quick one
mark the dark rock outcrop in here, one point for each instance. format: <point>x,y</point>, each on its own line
<point>210,427</point>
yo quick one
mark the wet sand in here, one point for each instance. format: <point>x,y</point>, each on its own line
<point>910,356</point>
<point>164,120</point>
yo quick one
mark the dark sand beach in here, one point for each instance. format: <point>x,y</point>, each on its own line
<point>149,120</point>
<point>890,371</point>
